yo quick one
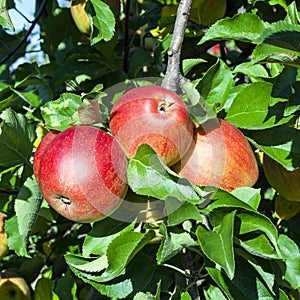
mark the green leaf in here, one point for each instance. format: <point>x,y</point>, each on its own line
<point>44,290</point>
<point>282,34</point>
<point>87,265</point>
<point>103,22</point>
<point>103,232</point>
<point>217,245</point>
<point>5,20</point>
<point>282,143</point>
<point>292,274</point>
<point>248,195</point>
<point>63,112</point>
<point>288,247</point>
<point>250,108</point>
<point>179,212</point>
<point>244,27</point>
<point>189,63</point>
<point>16,139</point>
<point>265,53</point>
<point>27,205</point>
<point>256,222</point>
<point>262,267</point>
<point>147,175</point>
<point>253,71</point>
<point>213,293</point>
<point>216,83</point>
<point>173,243</point>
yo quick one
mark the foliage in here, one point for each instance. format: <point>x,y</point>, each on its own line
<point>212,244</point>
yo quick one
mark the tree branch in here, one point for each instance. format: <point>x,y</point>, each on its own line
<point>28,33</point>
<point>173,77</point>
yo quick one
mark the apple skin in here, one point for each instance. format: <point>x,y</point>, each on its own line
<point>13,287</point>
<point>3,238</point>
<point>80,17</point>
<point>41,149</point>
<point>155,116</point>
<point>285,182</point>
<point>220,156</point>
<point>82,174</point>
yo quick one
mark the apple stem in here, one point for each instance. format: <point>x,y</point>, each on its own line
<point>173,78</point>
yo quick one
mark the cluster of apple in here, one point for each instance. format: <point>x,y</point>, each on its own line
<point>81,171</point>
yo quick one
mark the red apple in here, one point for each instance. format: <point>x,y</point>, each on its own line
<point>220,156</point>
<point>82,174</point>
<point>155,116</point>
<point>286,183</point>
<point>41,149</point>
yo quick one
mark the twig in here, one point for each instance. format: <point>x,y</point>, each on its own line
<point>173,76</point>
<point>23,40</point>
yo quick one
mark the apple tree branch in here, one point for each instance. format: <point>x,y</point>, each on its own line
<point>173,77</point>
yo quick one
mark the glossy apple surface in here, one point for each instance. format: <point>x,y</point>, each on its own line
<point>155,116</point>
<point>41,149</point>
<point>286,183</point>
<point>220,156</point>
<point>82,174</point>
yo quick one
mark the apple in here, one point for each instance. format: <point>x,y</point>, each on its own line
<point>285,182</point>
<point>82,174</point>
<point>220,156</point>
<point>80,17</point>
<point>3,238</point>
<point>285,209</point>
<point>41,149</point>
<point>155,116</point>
<point>13,287</point>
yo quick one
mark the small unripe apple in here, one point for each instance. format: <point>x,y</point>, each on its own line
<point>3,238</point>
<point>285,209</point>
<point>155,116</point>
<point>285,182</point>
<point>220,156</point>
<point>13,287</point>
<point>82,174</point>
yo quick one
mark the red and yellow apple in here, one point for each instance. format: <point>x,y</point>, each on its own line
<point>82,174</point>
<point>155,116</point>
<point>286,183</point>
<point>220,156</point>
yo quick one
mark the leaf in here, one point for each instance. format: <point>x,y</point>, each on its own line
<point>288,247</point>
<point>248,195</point>
<point>103,232</point>
<point>44,290</point>
<point>216,83</point>
<point>5,20</point>
<point>179,212</point>
<point>262,267</point>
<point>244,27</point>
<point>148,176</point>
<point>292,274</point>
<point>250,108</point>
<point>63,112</point>
<point>87,265</point>
<point>265,53</point>
<point>281,143</point>
<point>16,139</point>
<point>189,63</point>
<point>253,71</point>
<point>27,205</point>
<point>103,22</point>
<point>282,34</point>
<point>173,243</point>
<point>217,245</point>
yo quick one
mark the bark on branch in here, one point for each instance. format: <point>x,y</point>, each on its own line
<point>173,78</point>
